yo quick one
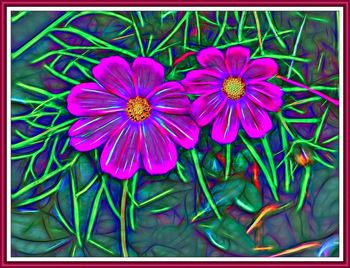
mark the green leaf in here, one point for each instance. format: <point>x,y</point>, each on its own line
<point>227,235</point>
<point>37,233</point>
<point>162,251</point>
<point>33,247</point>
<point>300,224</point>
<point>240,192</point>
<point>327,200</point>
<point>84,169</point>
<point>168,239</point>
<point>212,167</point>
<point>240,162</point>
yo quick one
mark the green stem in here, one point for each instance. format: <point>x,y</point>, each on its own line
<point>21,50</point>
<point>228,161</point>
<point>76,213</point>
<point>296,47</point>
<point>274,30</point>
<point>123,219</point>
<point>94,213</point>
<point>262,166</point>
<point>198,28</point>
<point>179,169</point>
<point>138,36</point>
<point>156,197</point>
<point>63,220</point>
<point>304,185</point>
<point>203,184</point>
<point>43,179</point>
<point>286,164</point>
<point>18,16</point>
<point>132,205</point>
<point>241,26</point>
<point>321,125</point>
<point>258,29</point>
<point>39,197</point>
<point>222,30</point>
<point>170,35</point>
<point>58,128</point>
<point>109,198</point>
<point>186,32</point>
<point>270,159</point>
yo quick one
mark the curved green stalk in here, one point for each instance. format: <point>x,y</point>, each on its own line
<point>228,161</point>
<point>198,28</point>
<point>262,166</point>
<point>303,188</point>
<point>34,40</point>
<point>94,213</point>
<point>170,35</point>
<point>179,169</point>
<point>203,184</point>
<point>270,159</point>
<point>18,16</point>
<point>274,30</point>
<point>138,36</point>
<point>132,205</point>
<point>296,47</point>
<point>286,164</point>
<point>241,26</point>
<point>76,209</point>
<point>222,30</point>
<point>123,220</point>
<point>258,29</point>
<point>43,179</point>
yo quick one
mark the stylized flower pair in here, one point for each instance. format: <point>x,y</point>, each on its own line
<point>139,116</point>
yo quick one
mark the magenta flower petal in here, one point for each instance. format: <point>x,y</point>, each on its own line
<point>158,151</point>
<point>236,60</point>
<point>206,107</point>
<point>226,124</point>
<point>260,69</point>
<point>212,58</point>
<point>203,81</point>
<point>90,99</point>
<point>121,155</point>
<point>170,98</point>
<point>181,128</point>
<point>114,74</point>
<point>254,119</point>
<point>90,132</point>
<point>266,95</point>
<point>147,74</point>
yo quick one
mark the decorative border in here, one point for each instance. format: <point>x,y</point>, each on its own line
<point>166,3</point>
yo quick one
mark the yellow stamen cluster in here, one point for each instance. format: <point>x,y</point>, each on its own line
<point>138,109</point>
<point>234,88</point>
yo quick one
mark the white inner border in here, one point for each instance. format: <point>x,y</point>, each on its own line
<point>201,259</point>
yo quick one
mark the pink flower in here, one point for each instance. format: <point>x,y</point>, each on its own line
<point>135,114</point>
<point>233,91</point>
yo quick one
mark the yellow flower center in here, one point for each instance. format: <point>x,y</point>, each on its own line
<point>138,109</point>
<point>234,88</point>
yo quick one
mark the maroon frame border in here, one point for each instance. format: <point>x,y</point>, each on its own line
<point>250,3</point>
